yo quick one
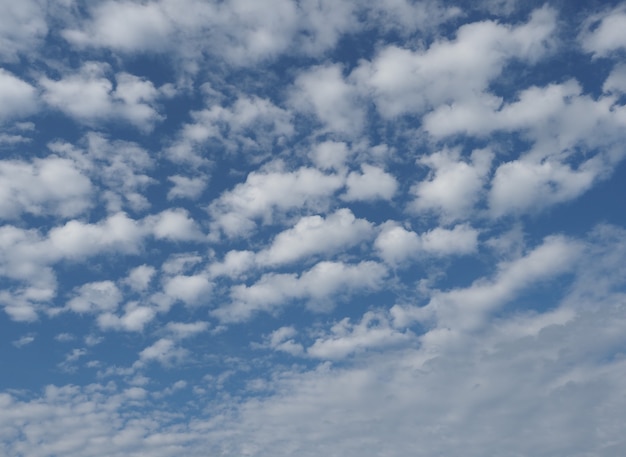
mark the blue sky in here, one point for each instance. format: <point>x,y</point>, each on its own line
<point>314,227</point>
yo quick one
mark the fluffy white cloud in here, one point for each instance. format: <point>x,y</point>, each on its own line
<point>372,332</point>
<point>134,318</point>
<point>282,340</point>
<point>121,167</point>
<point>466,309</point>
<point>372,183</point>
<point>95,297</point>
<point>17,97</point>
<point>406,81</point>
<point>173,224</point>
<point>186,187</point>
<point>89,96</point>
<point>268,192</point>
<point>316,235</point>
<point>323,92</point>
<point>602,33</point>
<point>316,286</point>
<point>48,186</point>
<point>524,185</point>
<point>163,351</point>
<point>22,28</point>
<point>125,26</point>
<point>139,278</point>
<point>395,244</point>
<point>189,289</point>
<point>249,123</point>
<point>454,185</point>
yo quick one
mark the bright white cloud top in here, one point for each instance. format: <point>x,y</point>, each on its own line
<point>312,228</point>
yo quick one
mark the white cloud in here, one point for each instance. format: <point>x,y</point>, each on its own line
<point>234,264</point>
<point>89,96</point>
<point>23,341</point>
<point>17,97</point>
<point>313,235</point>
<point>118,166</point>
<point>163,351</point>
<point>268,192</point>
<point>330,155</point>
<point>323,92</point>
<point>76,239</point>
<point>48,186</point>
<point>174,224</point>
<point>602,33</point>
<point>454,185</point>
<point>467,308</point>
<point>406,81</point>
<point>462,239</point>
<point>124,26</point>
<point>189,289</point>
<point>372,184</point>
<point>186,187</point>
<point>523,185</point>
<point>180,330</point>
<point>134,318</point>
<point>395,244</point>
<point>95,297</point>
<point>616,81</point>
<point>316,286</point>
<point>282,340</point>
<point>346,338</point>
<point>139,278</point>
<point>22,28</point>
<point>250,123</point>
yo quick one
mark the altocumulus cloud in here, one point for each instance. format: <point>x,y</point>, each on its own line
<point>312,227</point>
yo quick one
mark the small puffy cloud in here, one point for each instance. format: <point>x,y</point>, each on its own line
<point>316,285</point>
<point>120,167</point>
<point>173,224</point>
<point>76,239</point>
<point>23,341</point>
<point>189,289</point>
<point>134,318</point>
<point>139,278</point>
<point>323,92</point>
<point>17,97</point>
<point>523,186</point>
<point>181,330</point>
<point>123,26</point>
<point>395,244</point>
<point>372,183</point>
<point>282,340</point>
<point>316,235</point>
<point>250,123</point>
<point>89,96</point>
<point>95,297</point>
<point>186,187</point>
<point>464,309</point>
<point>330,155</point>
<point>603,34</point>
<point>454,185</point>
<point>616,81</point>
<point>22,28</point>
<point>233,265</point>
<point>163,351</point>
<point>48,186</point>
<point>345,338</point>
<point>265,193</point>
<point>462,239</point>
<point>405,81</point>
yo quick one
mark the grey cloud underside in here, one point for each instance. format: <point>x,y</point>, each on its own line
<point>279,227</point>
